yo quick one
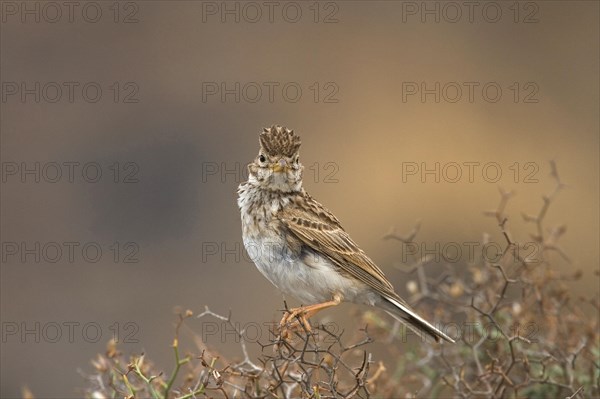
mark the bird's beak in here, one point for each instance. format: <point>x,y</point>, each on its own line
<point>280,166</point>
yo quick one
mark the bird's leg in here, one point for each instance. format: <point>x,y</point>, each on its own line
<point>302,314</point>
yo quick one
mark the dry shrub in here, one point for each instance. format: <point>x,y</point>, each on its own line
<point>521,333</point>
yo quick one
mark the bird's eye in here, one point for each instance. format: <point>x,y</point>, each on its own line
<point>262,158</point>
<point>297,159</point>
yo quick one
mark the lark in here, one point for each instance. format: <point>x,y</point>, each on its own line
<point>302,248</point>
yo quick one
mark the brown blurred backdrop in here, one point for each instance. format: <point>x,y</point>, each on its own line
<point>181,149</point>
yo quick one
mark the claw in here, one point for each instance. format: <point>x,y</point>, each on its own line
<point>298,317</point>
<point>292,320</point>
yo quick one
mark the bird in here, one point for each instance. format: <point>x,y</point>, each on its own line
<point>302,248</point>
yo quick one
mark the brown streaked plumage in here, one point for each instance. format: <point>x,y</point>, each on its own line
<point>301,247</point>
<point>279,140</point>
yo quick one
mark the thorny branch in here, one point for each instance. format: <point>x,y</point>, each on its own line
<point>520,333</point>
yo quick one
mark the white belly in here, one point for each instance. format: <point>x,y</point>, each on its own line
<point>309,279</point>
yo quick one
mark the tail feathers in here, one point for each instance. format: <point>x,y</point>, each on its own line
<point>403,313</point>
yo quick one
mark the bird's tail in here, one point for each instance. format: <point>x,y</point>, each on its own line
<point>403,313</point>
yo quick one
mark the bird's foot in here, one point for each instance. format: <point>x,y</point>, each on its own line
<point>292,320</point>
<point>296,318</point>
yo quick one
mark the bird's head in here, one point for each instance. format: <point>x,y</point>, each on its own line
<point>277,166</point>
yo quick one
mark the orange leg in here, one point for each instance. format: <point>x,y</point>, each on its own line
<point>302,314</point>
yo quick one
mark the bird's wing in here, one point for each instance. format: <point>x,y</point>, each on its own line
<point>320,230</point>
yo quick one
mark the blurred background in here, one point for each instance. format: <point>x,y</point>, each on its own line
<point>126,128</point>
